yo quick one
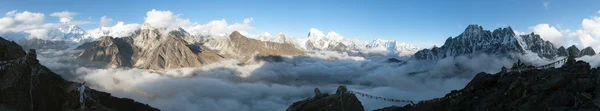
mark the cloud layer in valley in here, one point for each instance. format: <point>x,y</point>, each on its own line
<point>227,86</point>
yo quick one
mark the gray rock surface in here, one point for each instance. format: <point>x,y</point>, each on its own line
<point>502,41</point>
<point>536,44</point>
<point>588,51</point>
<point>475,40</point>
<point>561,51</point>
<point>340,101</point>
<point>115,52</point>
<point>574,86</point>
<point>244,49</point>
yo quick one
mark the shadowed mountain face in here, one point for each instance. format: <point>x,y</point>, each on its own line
<point>149,49</point>
<point>240,47</point>
<point>116,52</point>
<point>574,86</point>
<point>10,50</point>
<point>155,49</point>
<point>475,40</point>
<point>27,85</point>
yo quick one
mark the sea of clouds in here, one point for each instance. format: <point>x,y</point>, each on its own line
<point>275,85</point>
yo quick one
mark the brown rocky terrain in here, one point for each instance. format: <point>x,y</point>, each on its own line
<point>244,49</point>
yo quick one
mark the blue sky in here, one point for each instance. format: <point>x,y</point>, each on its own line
<point>421,22</point>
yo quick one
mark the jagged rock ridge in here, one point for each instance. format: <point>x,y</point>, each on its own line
<point>502,41</point>
<point>475,40</point>
<point>149,48</point>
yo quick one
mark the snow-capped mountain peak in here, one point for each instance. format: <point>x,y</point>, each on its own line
<point>71,29</point>
<point>315,34</point>
<point>118,30</point>
<point>393,47</point>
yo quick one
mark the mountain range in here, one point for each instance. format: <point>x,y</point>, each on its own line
<point>501,41</point>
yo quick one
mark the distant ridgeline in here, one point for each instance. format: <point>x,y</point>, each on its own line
<point>501,41</point>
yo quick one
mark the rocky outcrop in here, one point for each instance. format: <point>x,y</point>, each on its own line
<point>27,85</point>
<point>573,50</point>
<point>240,47</point>
<point>340,101</point>
<point>574,86</point>
<point>562,52</point>
<point>588,51</point>
<point>114,52</point>
<point>475,39</point>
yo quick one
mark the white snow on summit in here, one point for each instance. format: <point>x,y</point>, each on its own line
<point>393,47</point>
<point>118,30</point>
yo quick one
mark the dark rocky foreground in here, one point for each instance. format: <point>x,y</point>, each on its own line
<point>27,85</point>
<point>340,101</point>
<point>574,86</point>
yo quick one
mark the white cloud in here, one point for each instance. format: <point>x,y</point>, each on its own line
<point>19,25</point>
<point>11,13</point>
<point>549,33</point>
<point>165,19</point>
<point>104,20</point>
<point>546,3</point>
<point>226,86</point>
<point>65,16</point>
<point>219,27</point>
<point>6,22</point>
<point>592,25</point>
<point>29,17</point>
<point>38,33</point>
<point>248,20</point>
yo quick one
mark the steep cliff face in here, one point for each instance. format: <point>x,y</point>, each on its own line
<point>27,85</point>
